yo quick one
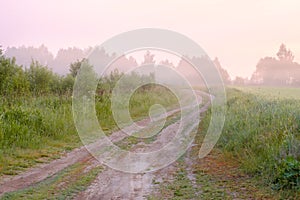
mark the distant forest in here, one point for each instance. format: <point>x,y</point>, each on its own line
<point>59,64</point>
<point>271,71</point>
<point>277,71</point>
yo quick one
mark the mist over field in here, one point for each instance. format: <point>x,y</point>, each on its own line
<point>279,70</point>
<point>149,99</point>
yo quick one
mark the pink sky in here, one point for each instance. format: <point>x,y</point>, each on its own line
<point>238,32</point>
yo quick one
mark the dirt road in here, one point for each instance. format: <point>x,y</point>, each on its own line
<point>78,175</point>
<point>110,184</point>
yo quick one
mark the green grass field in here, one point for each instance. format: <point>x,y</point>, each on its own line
<point>262,132</point>
<point>273,92</point>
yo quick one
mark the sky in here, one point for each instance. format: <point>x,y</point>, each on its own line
<point>238,32</point>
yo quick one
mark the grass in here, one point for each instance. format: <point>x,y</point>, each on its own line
<point>38,129</point>
<point>129,142</point>
<point>34,130</point>
<point>257,156</point>
<point>273,92</point>
<point>64,185</point>
<point>260,143</point>
<point>141,102</point>
<point>262,132</point>
<point>179,188</point>
<point>219,177</point>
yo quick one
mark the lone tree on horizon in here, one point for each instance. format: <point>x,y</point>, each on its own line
<point>284,54</point>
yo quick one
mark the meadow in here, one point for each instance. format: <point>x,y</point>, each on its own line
<point>262,133</point>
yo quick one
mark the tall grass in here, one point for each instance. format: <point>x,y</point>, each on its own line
<point>24,124</point>
<point>264,135</point>
<point>35,128</point>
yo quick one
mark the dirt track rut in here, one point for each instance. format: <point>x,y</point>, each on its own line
<point>110,184</point>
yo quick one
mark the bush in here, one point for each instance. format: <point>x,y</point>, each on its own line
<point>288,174</point>
<point>12,78</point>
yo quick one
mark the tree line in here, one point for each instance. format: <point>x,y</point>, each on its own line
<point>278,71</point>
<point>273,71</point>
<point>37,79</point>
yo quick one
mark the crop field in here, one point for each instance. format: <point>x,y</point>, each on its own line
<point>262,132</point>
<point>273,92</point>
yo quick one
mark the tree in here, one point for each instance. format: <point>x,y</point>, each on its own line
<point>12,78</point>
<point>40,78</point>
<point>86,80</point>
<point>285,55</point>
<point>223,72</point>
<point>281,71</point>
<point>148,58</point>
<point>67,84</point>
<point>74,67</point>
<point>239,81</point>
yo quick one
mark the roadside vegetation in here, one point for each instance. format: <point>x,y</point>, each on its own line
<point>262,133</point>
<point>63,185</point>
<point>257,156</point>
<point>260,143</point>
<point>36,120</point>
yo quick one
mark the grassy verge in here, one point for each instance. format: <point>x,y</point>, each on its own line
<point>34,130</point>
<point>257,156</point>
<point>262,133</point>
<point>64,185</point>
<point>38,129</point>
